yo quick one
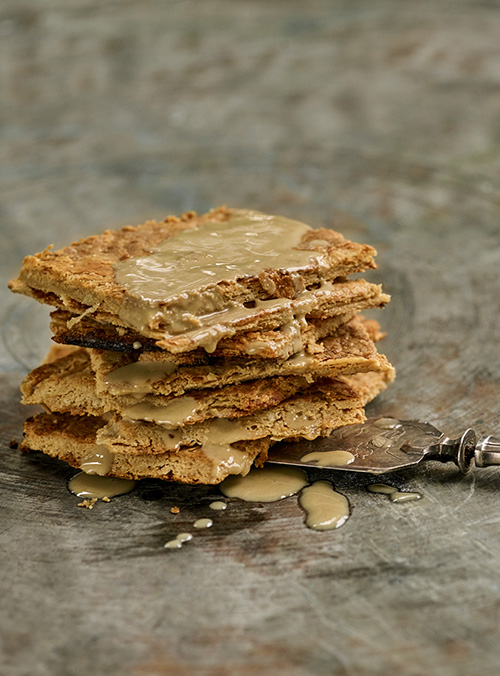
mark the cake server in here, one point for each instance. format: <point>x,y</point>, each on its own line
<point>382,445</point>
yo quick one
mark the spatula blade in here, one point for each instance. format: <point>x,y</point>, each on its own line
<point>376,446</point>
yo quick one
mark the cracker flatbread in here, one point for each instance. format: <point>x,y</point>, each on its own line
<point>84,280</point>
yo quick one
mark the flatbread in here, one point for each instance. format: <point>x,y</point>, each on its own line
<point>278,343</point>
<point>73,438</point>
<point>82,280</point>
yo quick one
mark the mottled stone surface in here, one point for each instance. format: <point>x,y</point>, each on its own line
<point>379,119</point>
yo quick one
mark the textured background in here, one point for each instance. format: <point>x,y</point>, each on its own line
<point>379,119</point>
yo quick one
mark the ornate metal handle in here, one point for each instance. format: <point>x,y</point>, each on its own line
<point>461,451</point>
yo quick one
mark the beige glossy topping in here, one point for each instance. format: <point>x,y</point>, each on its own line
<point>194,259</point>
<point>218,505</point>
<point>94,486</point>
<point>184,537</point>
<point>256,347</point>
<point>301,361</point>
<point>381,488</point>
<point>293,330</point>
<point>217,324</point>
<point>203,523</point>
<point>325,508</point>
<point>178,541</point>
<point>205,328</point>
<point>221,434</point>
<point>224,431</point>
<point>319,242</point>
<point>210,327</point>
<point>177,281</point>
<point>387,423</point>
<point>138,376</point>
<point>394,494</point>
<point>176,413</point>
<point>329,458</point>
<point>217,431</point>
<point>399,496</point>
<point>97,461</point>
<point>265,485</point>
<point>227,458</point>
<point>75,320</point>
<point>215,439</point>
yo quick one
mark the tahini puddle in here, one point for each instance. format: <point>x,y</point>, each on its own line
<point>325,508</point>
<point>94,486</point>
<point>393,493</point>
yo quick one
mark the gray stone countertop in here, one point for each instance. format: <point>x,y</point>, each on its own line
<point>381,120</point>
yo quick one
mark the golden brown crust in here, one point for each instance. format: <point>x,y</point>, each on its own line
<point>66,385</point>
<point>58,351</point>
<point>373,329</point>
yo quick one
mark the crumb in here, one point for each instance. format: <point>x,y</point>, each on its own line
<point>89,504</point>
<point>105,499</point>
<point>174,510</point>
<point>13,444</point>
<point>24,449</point>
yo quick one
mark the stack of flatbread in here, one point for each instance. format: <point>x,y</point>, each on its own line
<point>199,342</point>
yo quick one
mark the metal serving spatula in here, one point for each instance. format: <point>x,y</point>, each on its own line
<point>382,445</point>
